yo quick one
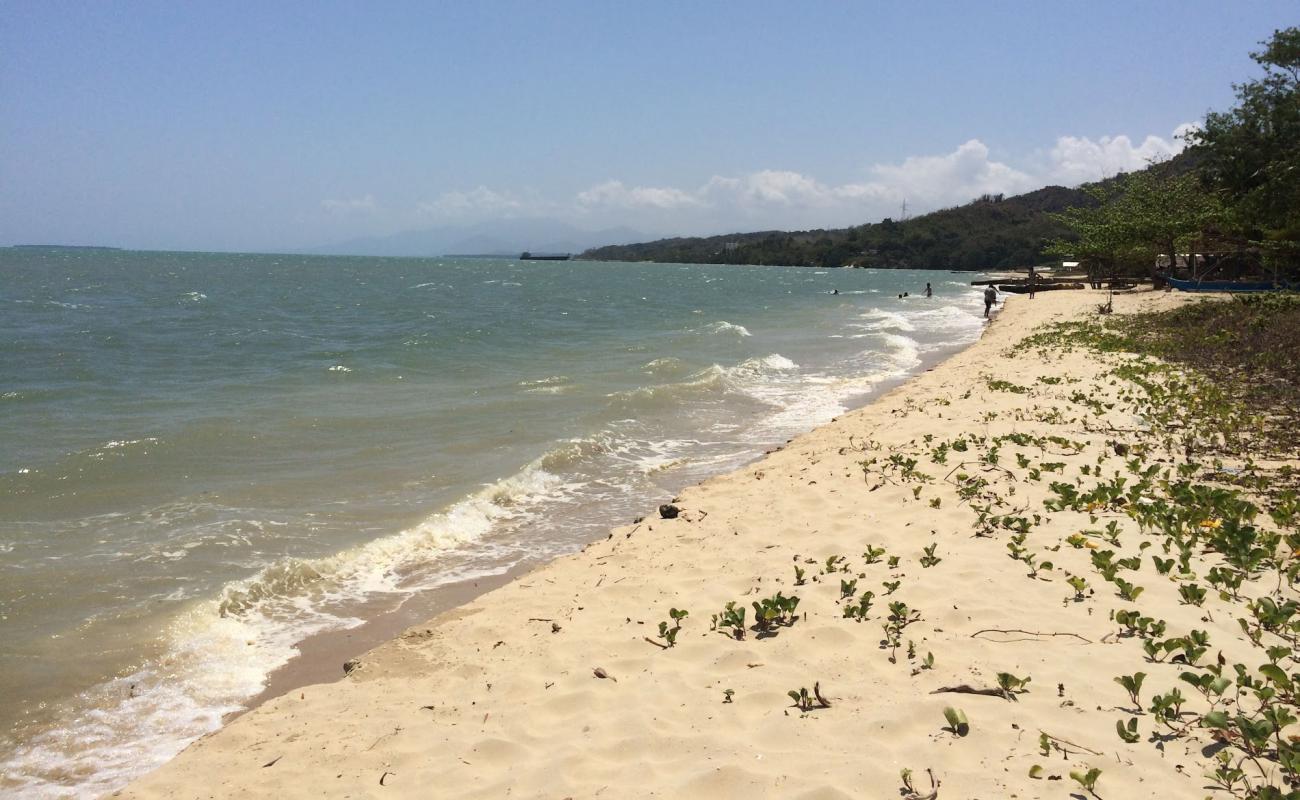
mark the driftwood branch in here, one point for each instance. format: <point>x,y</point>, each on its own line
<point>967,689</point>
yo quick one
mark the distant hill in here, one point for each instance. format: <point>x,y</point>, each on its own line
<point>992,232</point>
<point>497,236</point>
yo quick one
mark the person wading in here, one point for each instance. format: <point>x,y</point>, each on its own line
<point>990,297</point>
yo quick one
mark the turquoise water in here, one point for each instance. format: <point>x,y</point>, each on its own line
<point>205,458</point>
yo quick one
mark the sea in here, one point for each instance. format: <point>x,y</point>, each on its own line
<point>207,458</point>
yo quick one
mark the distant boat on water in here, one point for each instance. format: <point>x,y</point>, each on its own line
<point>527,256</point>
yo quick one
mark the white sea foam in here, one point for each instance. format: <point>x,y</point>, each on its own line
<point>878,319</point>
<point>547,381</point>
<point>664,365</point>
<point>220,651</point>
<point>728,327</point>
<point>555,384</point>
<point>117,443</point>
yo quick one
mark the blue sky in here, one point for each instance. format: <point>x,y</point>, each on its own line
<point>282,126</point>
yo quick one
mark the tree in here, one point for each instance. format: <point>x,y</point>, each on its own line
<point>1099,239</point>
<point>1167,213</point>
<point>1252,152</point>
<point>1136,218</point>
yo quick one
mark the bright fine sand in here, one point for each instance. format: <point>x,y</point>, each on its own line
<point>500,698</point>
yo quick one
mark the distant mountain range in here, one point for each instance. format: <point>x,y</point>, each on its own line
<point>506,237</point>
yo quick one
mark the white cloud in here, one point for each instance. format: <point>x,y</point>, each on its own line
<point>931,181</point>
<point>354,205</point>
<point>785,198</point>
<point>781,188</point>
<point>478,201</point>
<point>955,177</point>
<point>1078,159</point>
<point>615,193</point>
<point>776,198</point>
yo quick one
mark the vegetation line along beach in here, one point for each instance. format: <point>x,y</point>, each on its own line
<point>844,602</point>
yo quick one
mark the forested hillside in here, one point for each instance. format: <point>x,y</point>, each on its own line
<point>987,233</point>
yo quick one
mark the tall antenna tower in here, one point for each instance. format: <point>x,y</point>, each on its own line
<point>903,218</point>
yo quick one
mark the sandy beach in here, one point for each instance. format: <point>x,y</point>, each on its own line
<point>561,683</point>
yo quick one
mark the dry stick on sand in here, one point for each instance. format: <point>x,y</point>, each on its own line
<point>1028,634</point>
<point>1061,741</point>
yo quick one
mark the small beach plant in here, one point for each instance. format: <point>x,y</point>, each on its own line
<point>1127,590</point>
<point>1088,780</point>
<point>807,702</point>
<point>928,558</point>
<point>957,722</point>
<point>1011,685</point>
<point>1128,732</point>
<point>1079,585</point>
<point>1168,708</point>
<point>859,609</point>
<point>669,632</point>
<point>1133,685</point>
<point>773,611</point>
<point>1191,594</point>
<point>909,790</point>
<point>732,620</point>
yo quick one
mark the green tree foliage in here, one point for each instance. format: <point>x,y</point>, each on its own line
<point>988,233</point>
<point>1252,152</point>
<point>1099,232</point>
<point>1136,217</point>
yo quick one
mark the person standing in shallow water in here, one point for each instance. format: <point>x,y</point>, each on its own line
<point>990,297</point>
<point>928,291</point>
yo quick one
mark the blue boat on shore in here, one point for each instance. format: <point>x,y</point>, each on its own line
<point>1229,286</point>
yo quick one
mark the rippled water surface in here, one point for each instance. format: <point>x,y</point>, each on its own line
<point>205,458</point>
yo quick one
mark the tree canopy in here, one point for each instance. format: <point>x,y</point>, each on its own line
<point>1251,153</point>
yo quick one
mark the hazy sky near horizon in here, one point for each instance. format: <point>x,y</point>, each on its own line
<point>289,125</point>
